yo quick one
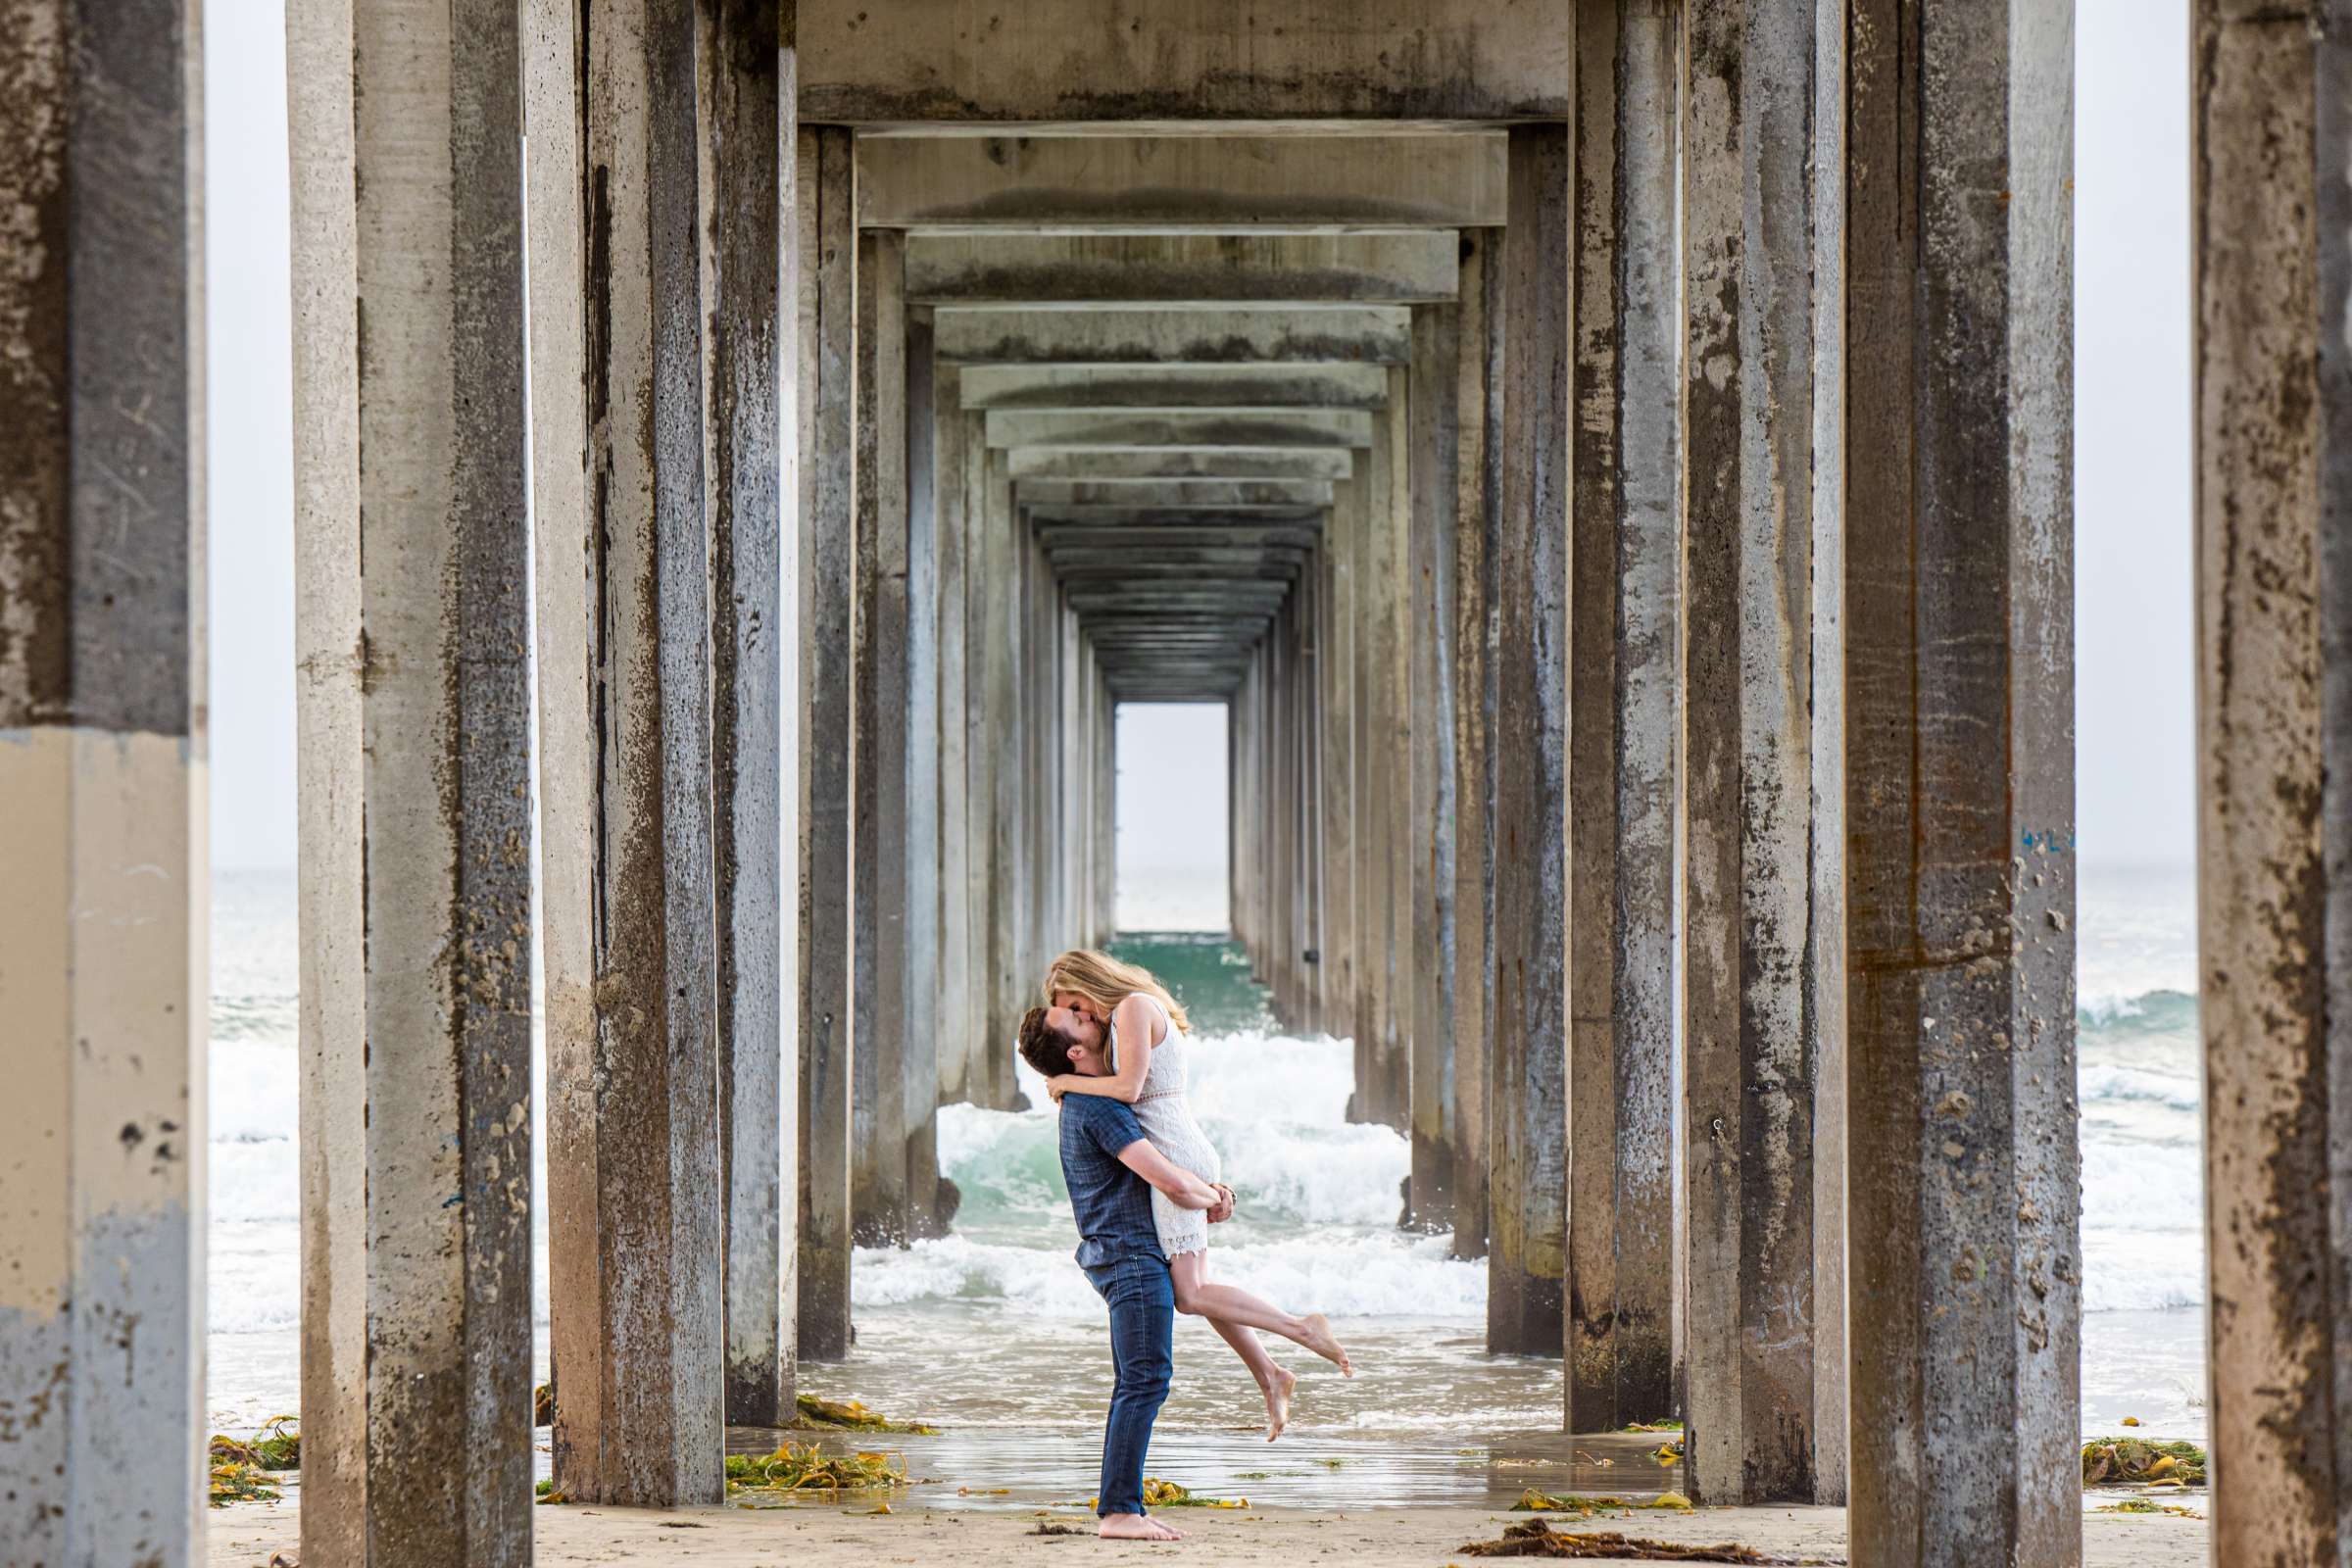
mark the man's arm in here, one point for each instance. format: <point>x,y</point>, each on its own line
<point>1184,1189</point>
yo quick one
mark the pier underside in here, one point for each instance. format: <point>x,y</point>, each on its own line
<point>1610,459</point>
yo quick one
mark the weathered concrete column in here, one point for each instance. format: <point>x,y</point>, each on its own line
<point>748,107</point>
<point>2273,263</point>
<point>1625,720</point>
<point>923,993</point>
<point>879,723</point>
<point>102,788</point>
<point>634,1203</point>
<point>413,707</point>
<point>1527,1115</point>
<point>824,247</point>
<point>1754,1378</point>
<point>963,1036</point>
<point>1337,737</point>
<point>1478,405</point>
<point>1435,453</point>
<point>1390,495</point>
<point>996,625</point>
<point>1963,1169</point>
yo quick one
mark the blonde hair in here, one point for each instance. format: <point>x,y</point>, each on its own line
<point>1107,982</point>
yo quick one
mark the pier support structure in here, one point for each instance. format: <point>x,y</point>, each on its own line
<point>2274,382</point>
<point>634,1199</point>
<point>1962,1168</point>
<point>414,716</point>
<point>102,787</point>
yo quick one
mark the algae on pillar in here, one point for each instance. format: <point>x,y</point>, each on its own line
<point>413,709</point>
<point>102,787</point>
<point>1962,1172</point>
<point>634,1204</point>
<point>2274,263</point>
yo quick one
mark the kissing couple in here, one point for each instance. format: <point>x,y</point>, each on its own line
<point>1144,1187</point>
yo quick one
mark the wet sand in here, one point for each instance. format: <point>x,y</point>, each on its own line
<point>818,1536</point>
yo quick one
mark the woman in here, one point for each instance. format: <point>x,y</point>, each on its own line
<point>1123,1009</point>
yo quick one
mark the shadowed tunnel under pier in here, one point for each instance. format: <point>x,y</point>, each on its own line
<point>1479,421</point>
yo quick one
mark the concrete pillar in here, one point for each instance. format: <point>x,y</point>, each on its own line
<point>413,709</point>
<point>1963,1169</point>
<point>1107,809</point>
<point>1752,1037</point>
<point>748,111</point>
<point>878,899</point>
<point>1337,611</point>
<point>1625,720</point>
<point>995,624</point>
<point>634,1203</point>
<point>1478,463</point>
<point>2275,650</point>
<point>1527,1118</point>
<point>102,787</point>
<point>1308,746</point>
<point>823,240</point>
<point>923,993</point>
<point>1389,494</point>
<point>963,1036</point>
<point>1436,449</point>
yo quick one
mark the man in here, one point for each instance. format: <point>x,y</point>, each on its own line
<point>1111,1168</point>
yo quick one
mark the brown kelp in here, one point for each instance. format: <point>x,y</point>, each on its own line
<point>852,1416</point>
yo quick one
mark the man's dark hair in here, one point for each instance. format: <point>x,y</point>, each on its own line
<point>1043,1047</point>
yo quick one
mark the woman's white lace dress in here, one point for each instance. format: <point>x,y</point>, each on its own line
<point>1167,1118</point>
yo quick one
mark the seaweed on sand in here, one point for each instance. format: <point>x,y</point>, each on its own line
<point>804,1469</point>
<point>1537,1538</point>
<point>2112,1461</point>
<point>239,1467</point>
<point>852,1416</point>
<point>1159,1493</point>
<point>1533,1501</point>
<point>2149,1505</point>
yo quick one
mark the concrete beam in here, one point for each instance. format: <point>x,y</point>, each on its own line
<point>2274,741</point>
<point>1214,463</point>
<point>1144,335</point>
<point>1447,180</point>
<point>824,262</point>
<point>1178,532</point>
<point>1402,266</point>
<point>1624,722</point>
<point>1963,1169</point>
<point>1070,60</point>
<point>745,115</point>
<point>102,788</point>
<point>414,711</point>
<point>1161,494</point>
<point>1175,386</point>
<point>1182,427</point>
<point>623,626</point>
<point>1301,520</point>
<point>1527,1126</point>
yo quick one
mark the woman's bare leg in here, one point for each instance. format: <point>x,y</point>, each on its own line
<point>1198,1295</point>
<point>1272,1381</point>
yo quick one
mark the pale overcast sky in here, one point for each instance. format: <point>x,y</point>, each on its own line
<point>2133,460</point>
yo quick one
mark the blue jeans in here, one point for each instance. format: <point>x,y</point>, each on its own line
<point>1142,1323</point>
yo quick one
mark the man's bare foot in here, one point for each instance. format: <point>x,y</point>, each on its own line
<point>1135,1527</point>
<point>1278,1402</point>
<point>1320,1340</point>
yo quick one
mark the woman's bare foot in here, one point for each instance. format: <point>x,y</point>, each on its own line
<point>1278,1402</point>
<point>1135,1527</point>
<point>1320,1340</point>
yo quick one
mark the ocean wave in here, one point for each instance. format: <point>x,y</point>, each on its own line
<point>2144,1085</point>
<point>2139,1012</point>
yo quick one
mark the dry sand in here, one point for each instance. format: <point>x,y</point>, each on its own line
<point>816,1535</point>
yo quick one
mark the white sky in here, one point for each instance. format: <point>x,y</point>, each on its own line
<point>2132,463</point>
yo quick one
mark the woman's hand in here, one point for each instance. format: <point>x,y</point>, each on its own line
<point>1057,1085</point>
